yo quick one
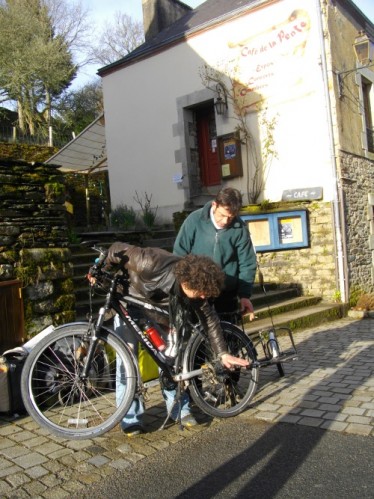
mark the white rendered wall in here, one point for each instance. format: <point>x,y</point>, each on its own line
<point>141,110</point>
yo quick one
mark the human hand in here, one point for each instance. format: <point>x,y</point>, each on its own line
<point>230,362</point>
<point>91,279</point>
<point>246,307</point>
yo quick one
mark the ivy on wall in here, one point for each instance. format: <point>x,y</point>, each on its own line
<point>26,152</point>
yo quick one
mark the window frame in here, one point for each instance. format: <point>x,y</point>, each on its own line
<point>277,241</point>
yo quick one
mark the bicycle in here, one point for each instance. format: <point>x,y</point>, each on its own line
<point>269,340</point>
<point>69,378</point>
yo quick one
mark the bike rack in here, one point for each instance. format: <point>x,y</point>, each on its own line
<point>285,346</point>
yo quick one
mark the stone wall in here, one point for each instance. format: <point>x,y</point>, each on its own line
<point>33,241</point>
<point>310,269</point>
<point>357,175</point>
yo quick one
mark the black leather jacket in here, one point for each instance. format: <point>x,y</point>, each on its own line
<point>151,278</point>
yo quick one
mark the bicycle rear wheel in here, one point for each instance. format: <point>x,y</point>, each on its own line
<point>220,392</point>
<point>59,399</point>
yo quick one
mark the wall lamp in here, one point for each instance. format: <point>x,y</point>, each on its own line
<point>364,51</point>
<point>364,48</point>
<point>221,103</point>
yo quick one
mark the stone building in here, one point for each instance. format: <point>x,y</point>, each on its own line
<point>265,96</point>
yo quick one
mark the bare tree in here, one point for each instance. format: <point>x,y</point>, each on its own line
<point>118,38</point>
<point>71,23</point>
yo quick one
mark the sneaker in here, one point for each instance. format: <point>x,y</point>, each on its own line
<point>188,420</point>
<point>132,431</point>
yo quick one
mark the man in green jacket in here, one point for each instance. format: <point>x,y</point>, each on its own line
<point>217,231</point>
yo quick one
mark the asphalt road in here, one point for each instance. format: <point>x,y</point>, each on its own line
<point>251,459</point>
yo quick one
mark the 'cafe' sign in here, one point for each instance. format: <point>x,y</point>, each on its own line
<point>303,194</point>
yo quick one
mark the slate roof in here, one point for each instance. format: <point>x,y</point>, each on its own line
<point>207,14</point>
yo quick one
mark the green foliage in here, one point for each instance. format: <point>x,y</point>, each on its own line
<point>73,237</point>
<point>178,218</point>
<point>265,204</point>
<point>66,286</point>
<point>35,59</point>
<point>354,294</point>
<point>337,296</point>
<point>65,302</point>
<point>27,274</point>
<point>54,191</point>
<point>30,153</point>
<point>78,108</point>
<point>123,217</point>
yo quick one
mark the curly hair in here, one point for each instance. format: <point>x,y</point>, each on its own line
<point>200,273</point>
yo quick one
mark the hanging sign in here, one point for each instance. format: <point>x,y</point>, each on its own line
<point>302,194</point>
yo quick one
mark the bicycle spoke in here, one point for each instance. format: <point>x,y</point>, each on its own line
<point>219,391</point>
<point>68,404</point>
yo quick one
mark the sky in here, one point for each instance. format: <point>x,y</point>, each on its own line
<point>103,10</point>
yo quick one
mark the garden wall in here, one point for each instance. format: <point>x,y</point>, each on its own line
<point>34,241</point>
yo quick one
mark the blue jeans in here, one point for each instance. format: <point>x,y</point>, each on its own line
<point>135,413</point>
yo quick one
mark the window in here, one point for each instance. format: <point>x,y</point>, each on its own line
<point>367,91</point>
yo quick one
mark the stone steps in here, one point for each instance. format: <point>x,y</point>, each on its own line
<point>298,313</point>
<point>275,304</point>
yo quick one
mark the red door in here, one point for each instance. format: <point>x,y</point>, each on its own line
<point>210,173</point>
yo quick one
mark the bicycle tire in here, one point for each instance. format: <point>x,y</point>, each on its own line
<point>277,352</point>
<point>220,392</point>
<point>57,398</point>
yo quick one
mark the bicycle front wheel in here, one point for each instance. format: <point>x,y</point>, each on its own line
<point>60,399</point>
<point>221,392</point>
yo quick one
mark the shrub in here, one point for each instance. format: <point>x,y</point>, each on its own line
<point>365,302</point>
<point>123,217</point>
<point>148,213</point>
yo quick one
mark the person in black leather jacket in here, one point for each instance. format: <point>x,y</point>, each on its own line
<point>183,284</point>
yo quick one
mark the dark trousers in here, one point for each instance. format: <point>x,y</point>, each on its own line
<point>227,307</point>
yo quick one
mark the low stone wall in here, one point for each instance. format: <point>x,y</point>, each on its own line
<point>311,269</point>
<point>34,242</point>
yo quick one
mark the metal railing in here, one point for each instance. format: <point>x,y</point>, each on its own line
<point>15,136</point>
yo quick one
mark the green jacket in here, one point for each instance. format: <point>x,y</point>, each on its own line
<point>231,248</point>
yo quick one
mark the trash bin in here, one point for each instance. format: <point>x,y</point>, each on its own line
<point>12,316</point>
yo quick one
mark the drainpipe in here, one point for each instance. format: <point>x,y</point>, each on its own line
<point>342,272</point>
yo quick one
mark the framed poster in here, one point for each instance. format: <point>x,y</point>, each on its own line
<point>230,156</point>
<point>260,231</point>
<point>290,230</point>
<point>276,231</point>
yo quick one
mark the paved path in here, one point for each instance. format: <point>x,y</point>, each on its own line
<point>330,386</point>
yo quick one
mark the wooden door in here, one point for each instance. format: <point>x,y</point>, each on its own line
<point>209,164</point>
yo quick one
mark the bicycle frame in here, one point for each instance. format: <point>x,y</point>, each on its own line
<point>118,303</point>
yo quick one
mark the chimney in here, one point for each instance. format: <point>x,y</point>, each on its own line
<point>159,14</point>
